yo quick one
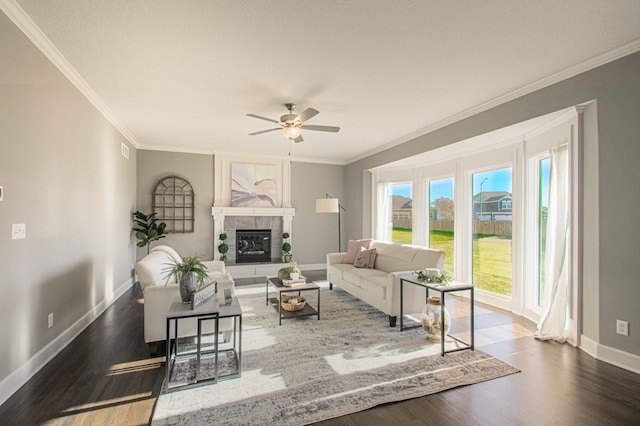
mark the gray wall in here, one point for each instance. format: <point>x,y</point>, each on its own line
<point>64,177</point>
<point>198,170</point>
<point>315,235</point>
<point>614,166</point>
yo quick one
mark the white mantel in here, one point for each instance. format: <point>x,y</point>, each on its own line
<point>252,211</point>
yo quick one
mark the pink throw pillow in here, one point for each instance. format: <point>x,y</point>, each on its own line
<point>354,248</point>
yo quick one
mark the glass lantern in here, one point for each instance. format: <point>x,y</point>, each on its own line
<point>434,315</point>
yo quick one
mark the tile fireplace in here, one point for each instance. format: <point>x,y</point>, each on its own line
<point>232,219</point>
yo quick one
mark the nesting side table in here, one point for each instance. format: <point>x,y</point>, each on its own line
<point>211,310</point>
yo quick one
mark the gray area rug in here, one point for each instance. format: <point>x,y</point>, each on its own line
<point>307,370</point>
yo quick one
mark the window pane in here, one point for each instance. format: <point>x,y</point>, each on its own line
<point>545,174</point>
<point>492,200</point>
<point>441,220</point>
<point>402,199</point>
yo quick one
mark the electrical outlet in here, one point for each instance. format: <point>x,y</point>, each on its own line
<point>18,231</point>
<point>622,327</point>
<point>50,320</point>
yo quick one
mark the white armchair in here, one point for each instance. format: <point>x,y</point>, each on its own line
<point>160,291</point>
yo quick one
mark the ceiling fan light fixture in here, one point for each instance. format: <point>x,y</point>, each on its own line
<point>291,132</point>
<point>292,125</point>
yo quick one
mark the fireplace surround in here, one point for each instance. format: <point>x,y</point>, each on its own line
<point>230,219</point>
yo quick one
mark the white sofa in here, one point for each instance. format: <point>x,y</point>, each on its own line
<point>159,292</point>
<point>380,286</point>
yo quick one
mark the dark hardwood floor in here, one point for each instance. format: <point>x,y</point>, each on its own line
<point>106,376</point>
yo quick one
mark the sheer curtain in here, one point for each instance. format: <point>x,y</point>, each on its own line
<point>553,322</point>
<point>383,213</point>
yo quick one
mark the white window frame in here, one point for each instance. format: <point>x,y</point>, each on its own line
<point>460,161</point>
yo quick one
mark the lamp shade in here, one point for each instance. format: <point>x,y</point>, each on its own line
<point>327,205</point>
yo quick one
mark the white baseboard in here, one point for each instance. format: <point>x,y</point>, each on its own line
<point>492,299</point>
<point>19,377</point>
<point>589,346</point>
<point>610,355</point>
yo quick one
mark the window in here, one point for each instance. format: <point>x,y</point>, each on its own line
<point>491,244</point>
<point>498,232</point>
<point>402,212</point>
<point>441,220</point>
<point>544,166</point>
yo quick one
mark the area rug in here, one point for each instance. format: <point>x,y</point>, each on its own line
<point>306,370</point>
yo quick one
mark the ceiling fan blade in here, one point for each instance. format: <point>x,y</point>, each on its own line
<point>307,114</point>
<point>333,129</point>
<point>264,131</point>
<point>298,139</point>
<point>263,118</point>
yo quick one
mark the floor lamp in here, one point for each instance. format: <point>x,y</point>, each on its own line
<point>330,205</point>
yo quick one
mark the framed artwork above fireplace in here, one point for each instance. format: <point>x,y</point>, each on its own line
<point>253,185</point>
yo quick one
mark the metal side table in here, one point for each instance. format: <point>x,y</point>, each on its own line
<point>452,287</point>
<point>211,310</point>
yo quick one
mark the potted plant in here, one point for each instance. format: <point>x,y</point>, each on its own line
<point>223,248</point>
<point>147,229</point>
<point>286,248</point>
<point>190,273</point>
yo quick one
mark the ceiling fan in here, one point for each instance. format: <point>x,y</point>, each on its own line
<point>291,124</point>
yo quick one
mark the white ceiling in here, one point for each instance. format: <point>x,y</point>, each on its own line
<point>183,74</point>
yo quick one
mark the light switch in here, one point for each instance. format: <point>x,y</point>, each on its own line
<point>18,231</point>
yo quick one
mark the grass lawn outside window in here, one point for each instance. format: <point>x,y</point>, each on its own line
<point>492,270</point>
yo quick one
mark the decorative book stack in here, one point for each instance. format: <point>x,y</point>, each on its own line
<point>290,282</point>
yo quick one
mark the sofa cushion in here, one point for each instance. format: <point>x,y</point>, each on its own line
<point>377,285</point>
<point>355,275</point>
<point>354,248</point>
<point>365,259</point>
<point>337,270</point>
<point>403,257</point>
<point>370,280</point>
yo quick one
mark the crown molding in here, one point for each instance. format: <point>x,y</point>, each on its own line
<point>572,71</point>
<point>20,18</point>
<point>318,161</point>
<point>167,148</point>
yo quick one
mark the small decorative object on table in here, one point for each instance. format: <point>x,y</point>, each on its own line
<point>202,295</point>
<point>432,275</point>
<point>292,282</point>
<point>285,273</point>
<point>434,316</point>
<point>293,303</point>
